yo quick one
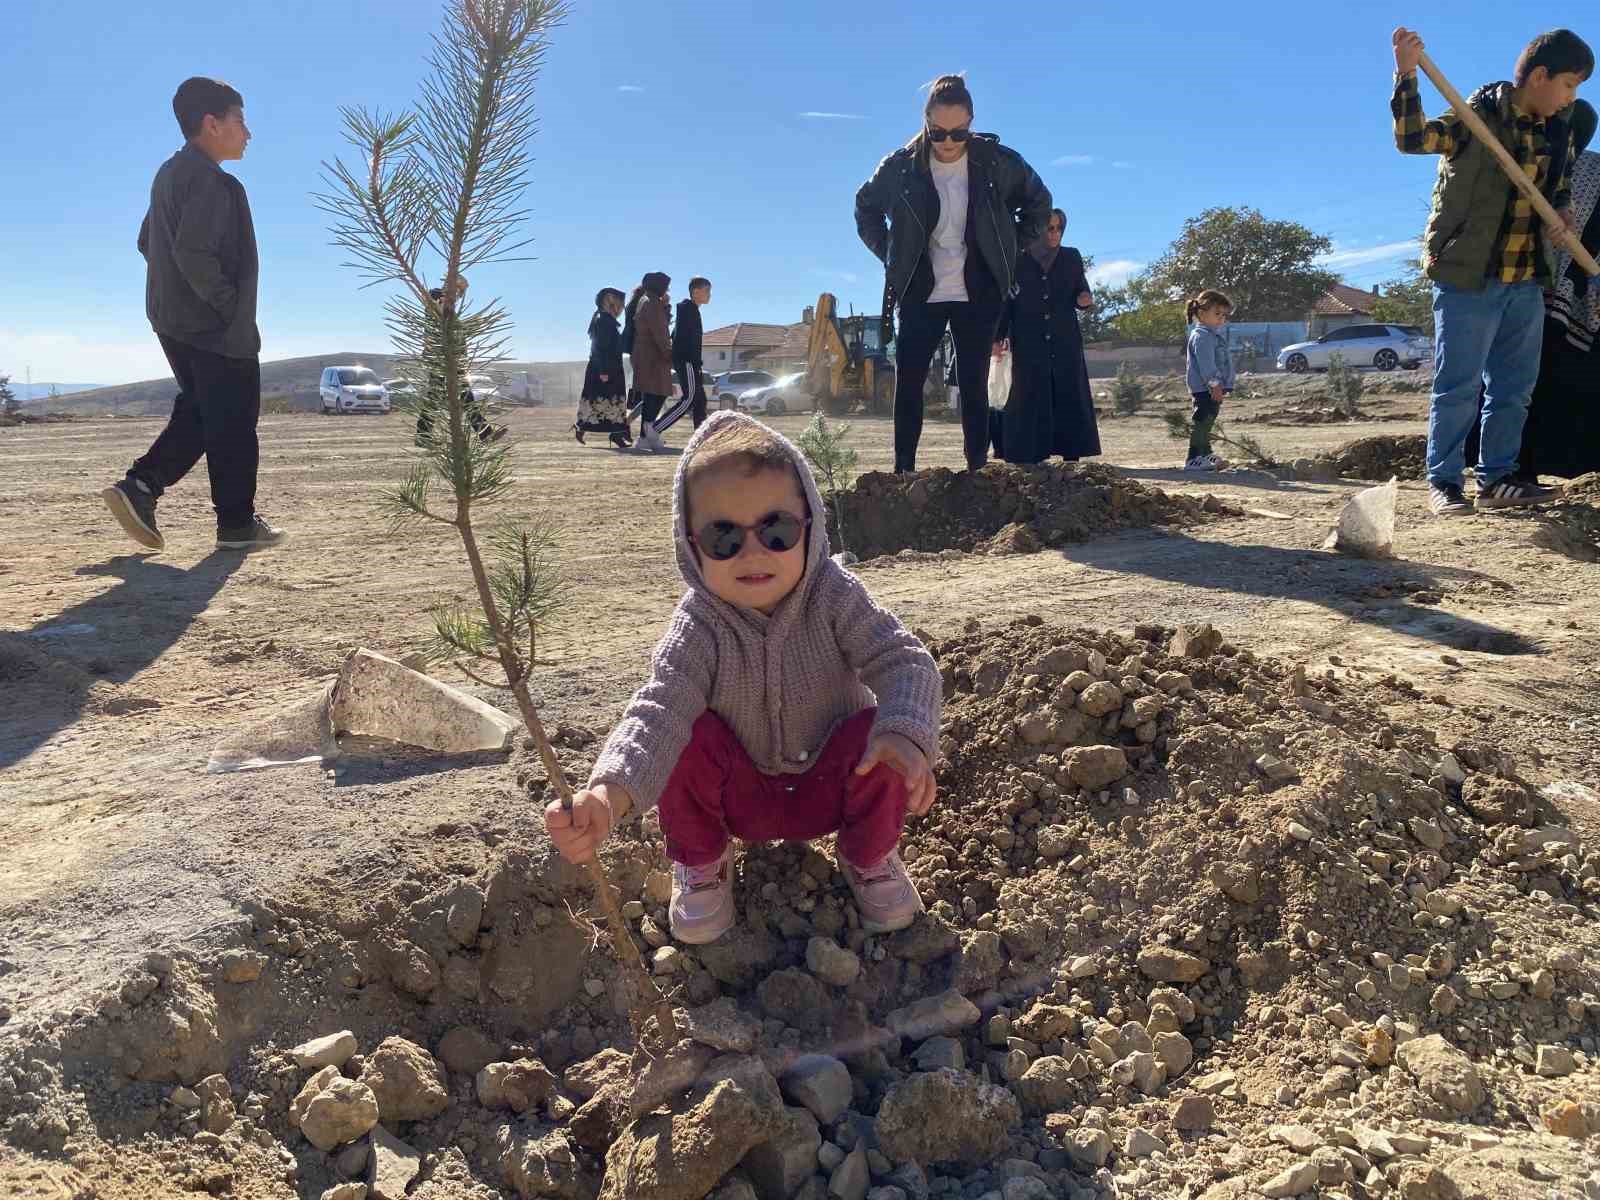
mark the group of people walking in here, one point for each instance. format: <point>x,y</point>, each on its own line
<point>641,327</point>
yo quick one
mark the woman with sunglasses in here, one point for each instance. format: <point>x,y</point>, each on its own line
<point>946,214</point>
<point>1050,410</point>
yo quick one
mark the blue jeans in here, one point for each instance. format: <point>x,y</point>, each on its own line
<point>1491,336</point>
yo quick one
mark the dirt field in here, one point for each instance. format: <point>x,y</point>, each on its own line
<point>119,671</point>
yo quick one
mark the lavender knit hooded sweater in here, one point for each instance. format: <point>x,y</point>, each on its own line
<point>783,682</point>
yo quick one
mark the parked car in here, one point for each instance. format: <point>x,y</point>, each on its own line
<point>729,388</point>
<point>1382,346</point>
<point>352,390</point>
<point>783,395</point>
<point>399,389</point>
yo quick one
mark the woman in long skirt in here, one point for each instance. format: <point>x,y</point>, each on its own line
<point>1050,410</point>
<point>603,404</point>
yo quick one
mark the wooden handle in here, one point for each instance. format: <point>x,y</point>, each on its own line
<point>1469,116</point>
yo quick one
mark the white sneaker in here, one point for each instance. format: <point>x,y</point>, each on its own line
<point>702,900</point>
<point>1205,462</point>
<point>885,896</point>
<point>657,446</point>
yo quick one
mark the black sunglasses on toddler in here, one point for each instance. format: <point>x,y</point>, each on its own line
<point>777,531</point>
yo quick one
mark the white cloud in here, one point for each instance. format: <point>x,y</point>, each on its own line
<point>629,87</point>
<point>1121,164</point>
<point>1072,160</point>
<point>833,116</point>
<point>1361,256</point>
<point>1114,272</point>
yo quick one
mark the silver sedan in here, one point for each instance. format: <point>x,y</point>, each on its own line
<point>1382,346</point>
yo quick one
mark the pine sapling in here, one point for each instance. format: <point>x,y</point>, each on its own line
<point>441,186</point>
<point>833,461</point>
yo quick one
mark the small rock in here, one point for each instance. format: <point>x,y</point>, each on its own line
<point>1096,767</point>
<point>1195,641</point>
<point>242,966</point>
<point>393,1166</point>
<point>1275,768</point>
<point>946,1116</point>
<point>407,1081</point>
<point>1301,1177</point>
<point>1299,832</point>
<point>1141,1143</point>
<point>1426,832</point>
<point>1194,1114</point>
<point>185,1098</point>
<point>1167,965</point>
<point>820,1083</point>
<point>940,1052</point>
<point>1089,1147</point>
<point>722,1026</point>
<point>1047,1085</point>
<point>831,962</point>
<point>1555,1061</point>
<point>1141,1070</point>
<point>778,1166</point>
<point>1443,1072</point>
<point>334,1050</point>
<point>1297,1137</point>
<point>850,1178</point>
<point>1565,1119</point>
<point>467,1050</point>
<point>519,1086</point>
<point>340,1111</point>
<point>942,1015</point>
<point>1175,1052</point>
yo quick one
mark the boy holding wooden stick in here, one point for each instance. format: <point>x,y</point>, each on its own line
<point>1490,257</point>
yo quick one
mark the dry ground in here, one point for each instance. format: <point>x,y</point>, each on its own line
<point>119,670</point>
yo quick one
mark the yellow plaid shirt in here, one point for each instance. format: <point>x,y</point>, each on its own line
<point>1517,247</point>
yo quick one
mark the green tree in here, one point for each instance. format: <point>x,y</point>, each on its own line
<point>9,404</point>
<point>1407,300</point>
<point>1099,324</point>
<point>832,459</point>
<point>1156,324</point>
<point>441,187</point>
<point>1267,268</point>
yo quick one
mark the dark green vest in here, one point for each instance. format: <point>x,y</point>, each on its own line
<point>1472,195</point>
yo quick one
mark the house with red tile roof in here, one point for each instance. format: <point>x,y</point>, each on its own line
<point>1338,306</point>
<point>738,345</point>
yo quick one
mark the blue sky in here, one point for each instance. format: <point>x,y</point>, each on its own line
<point>716,138</point>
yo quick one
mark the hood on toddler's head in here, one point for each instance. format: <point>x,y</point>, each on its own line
<point>817,534</point>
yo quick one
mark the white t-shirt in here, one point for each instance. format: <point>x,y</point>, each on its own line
<point>948,247</point>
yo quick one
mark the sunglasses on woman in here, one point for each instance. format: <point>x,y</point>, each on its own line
<point>935,134</point>
<point>777,531</point>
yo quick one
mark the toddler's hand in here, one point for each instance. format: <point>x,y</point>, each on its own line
<point>901,754</point>
<point>1000,347</point>
<point>1216,393</point>
<point>578,832</point>
<point>1085,300</point>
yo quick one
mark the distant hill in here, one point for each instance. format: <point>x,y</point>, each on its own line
<point>296,379</point>
<point>41,391</point>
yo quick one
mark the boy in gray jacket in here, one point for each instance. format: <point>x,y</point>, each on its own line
<point>782,704</point>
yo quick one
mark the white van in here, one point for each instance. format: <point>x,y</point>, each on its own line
<point>353,390</point>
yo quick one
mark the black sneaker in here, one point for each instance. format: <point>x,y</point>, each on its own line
<point>1447,500</point>
<point>1511,492</point>
<point>135,510</point>
<point>255,536</point>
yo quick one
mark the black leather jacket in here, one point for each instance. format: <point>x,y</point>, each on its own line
<point>897,209</point>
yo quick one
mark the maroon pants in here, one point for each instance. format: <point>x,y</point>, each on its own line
<point>716,792</point>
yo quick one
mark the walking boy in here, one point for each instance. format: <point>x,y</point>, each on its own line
<point>199,245</point>
<point>687,356</point>
<point>1490,258</point>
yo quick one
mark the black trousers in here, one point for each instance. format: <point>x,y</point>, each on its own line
<point>921,328</point>
<point>649,408</point>
<point>1206,411</point>
<point>215,414</point>
<point>692,382</point>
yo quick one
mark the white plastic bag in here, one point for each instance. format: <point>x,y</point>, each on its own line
<point>1000,380</point>
<point>1366,523</point>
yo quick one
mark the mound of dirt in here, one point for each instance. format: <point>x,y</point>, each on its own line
<point>1572,527</point>
<point>1402,456</point>
<point>1196,923</point>
<point>1007,509</point>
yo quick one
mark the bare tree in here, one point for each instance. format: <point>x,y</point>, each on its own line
<point>442,186</point>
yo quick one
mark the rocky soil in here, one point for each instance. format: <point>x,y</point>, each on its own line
<point>1200,923</point>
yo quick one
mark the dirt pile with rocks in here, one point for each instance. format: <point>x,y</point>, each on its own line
<point>1572,526</point>
<point>1380,458</point>
<point>1006,509</point>
<point>1198,924</point>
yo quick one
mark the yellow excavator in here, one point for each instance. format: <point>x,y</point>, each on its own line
<point>847,364</point>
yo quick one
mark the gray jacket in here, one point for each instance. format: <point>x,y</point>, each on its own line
<point>1208,360</point>
<point>783,682</point>
<point>199,245</point>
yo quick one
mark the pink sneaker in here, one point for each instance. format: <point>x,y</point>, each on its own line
<point>702,900</point>
<point>884,893</point>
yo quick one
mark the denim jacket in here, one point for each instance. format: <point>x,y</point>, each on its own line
<point>1208,359</point>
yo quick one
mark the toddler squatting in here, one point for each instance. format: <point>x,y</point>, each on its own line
<point>782,704</point>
